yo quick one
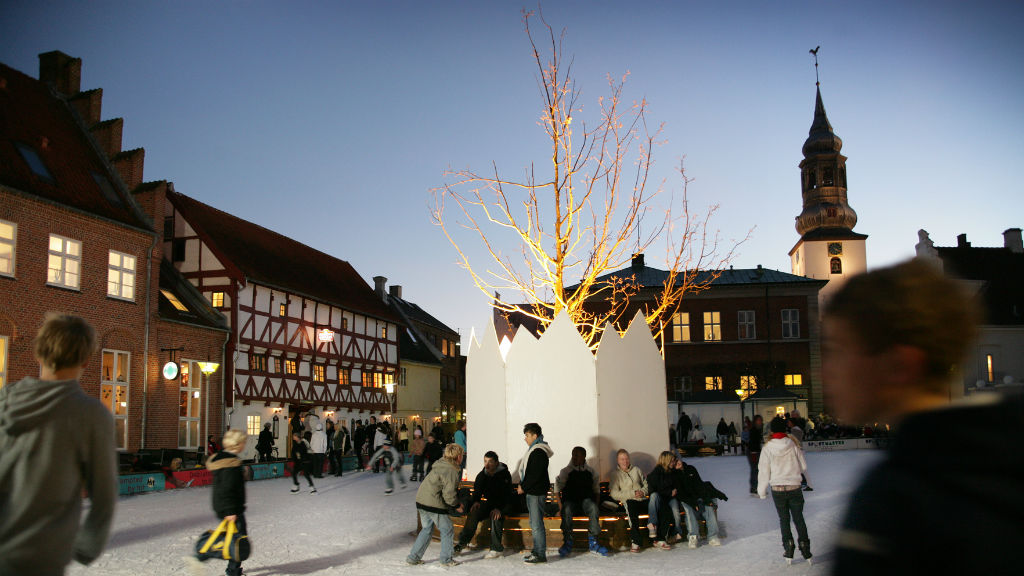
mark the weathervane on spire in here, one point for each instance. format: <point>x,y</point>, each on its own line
<point>815,52</point>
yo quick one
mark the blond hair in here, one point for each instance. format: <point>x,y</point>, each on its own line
<point>64,341</point>
<point>665,460</point>
<point>909,304</point>
<point>452,453</point>
<point>234,438</point>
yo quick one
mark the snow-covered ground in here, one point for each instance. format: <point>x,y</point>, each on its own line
<point>350,526</point>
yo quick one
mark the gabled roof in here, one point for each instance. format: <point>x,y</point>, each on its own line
<point>413,312</point>
<point>33,115</point>
<point>197,310</point>
<point>1002,272</point>
<point>413,349</point>
<point>266,257</point>
<point>654,277</point>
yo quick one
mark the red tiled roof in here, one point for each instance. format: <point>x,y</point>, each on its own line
<point>266,257</point>
<point>31,114</point>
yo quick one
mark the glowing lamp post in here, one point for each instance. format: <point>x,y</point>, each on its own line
<point>390,389</point>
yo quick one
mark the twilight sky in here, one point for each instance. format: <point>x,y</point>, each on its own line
<point>330,122</point>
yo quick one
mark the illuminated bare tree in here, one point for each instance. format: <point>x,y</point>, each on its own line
<point>584,219</point>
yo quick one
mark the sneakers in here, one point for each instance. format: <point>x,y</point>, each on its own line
<point>652,530</point>
<point>714,541</point>
<point>534,559</point>
<point>596,548</point>
<point>295,490</point>
<point>565,550</point>
<point>492,554</point>
<point>662,545</point>
<point>634,548</point>
<point>412,561</point>
<point>450,563</point>
<point>692,541</point>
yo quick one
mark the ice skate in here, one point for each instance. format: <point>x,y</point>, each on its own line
<point>596,548</point>
<point>787,550</point>
<point>805,550</point>
<point>295,490</point>
<point>692,541</point>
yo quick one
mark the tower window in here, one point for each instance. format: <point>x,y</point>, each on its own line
<point>812,179</point>
<point>828,177</point>
<point>836,266</point>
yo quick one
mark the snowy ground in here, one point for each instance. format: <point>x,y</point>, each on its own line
<point>350,526</point>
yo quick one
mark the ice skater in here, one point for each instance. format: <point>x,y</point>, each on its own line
<point>229,487</point>
<point>392,463</point>
<point>301,462</point>
<point>780,466</point>
<point>437,496</point>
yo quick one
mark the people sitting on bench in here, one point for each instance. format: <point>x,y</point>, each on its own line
<point>628,487</point>
<point>577,488</point>
<point>662,502</point>
<point>695,497</point>
<point>492,498</point>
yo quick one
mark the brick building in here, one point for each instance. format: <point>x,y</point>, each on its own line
<point>76,237</point>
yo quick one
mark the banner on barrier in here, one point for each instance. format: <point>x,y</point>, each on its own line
<point>138,483</point>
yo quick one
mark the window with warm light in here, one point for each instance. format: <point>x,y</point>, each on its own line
<point>217,299</point>
<point>318,372</point>
<point>174,300</point>
<point>114,381</point>
<point>8,232</point>
<point>384,332</point>
<point>681,327</point>
<point>189,405</point>
<point>121,276</point>
<point>290,367</point>
<point>282,310</point>
<point>791,323</point>
<point>345,376</point>
<point>794,380</point>
<point>3,361</point>
<point>712,326</point>
<point>257,362</point>
<point>64,262</point>
<point>990,373</point>
<point>748,383</point>
<point>252,424</point>
<point>713,383</point>
<point>746,323</point>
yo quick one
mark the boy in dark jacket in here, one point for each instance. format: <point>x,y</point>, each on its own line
<point>432,452</point>
<point>229,487</point>
<point>697,497</point>
<point>577,489</point>
<point>301,462</point>
<point>492,497</point>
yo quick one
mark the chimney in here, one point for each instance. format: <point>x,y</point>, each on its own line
<point>61,71</point>
<point>961,241</point>
<point>1012,240</point>
<point>379,282</point>
<point>88,104</point>
<point>638,261</point>
<point>395,291</point>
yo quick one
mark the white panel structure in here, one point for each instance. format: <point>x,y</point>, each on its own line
<point>614,400</point>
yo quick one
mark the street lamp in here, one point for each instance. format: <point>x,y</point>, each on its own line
<point>390,388</point>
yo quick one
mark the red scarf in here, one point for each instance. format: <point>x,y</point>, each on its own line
<point>777,435</point>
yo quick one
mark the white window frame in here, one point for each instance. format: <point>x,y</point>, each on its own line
<point>109,389</point>
<point>12,242</point>
<point>790,323</point>
<point>253,424</point>
<point>713,329</point>
<point>4,342</point>
<point>190,383</point>
<point>681,327</point>
<point>117,274</point>
<point>746,320</point>
<point>60,278</point>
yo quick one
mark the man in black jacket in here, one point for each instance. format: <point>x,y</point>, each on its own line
<point>358,438</point>
<point>754,450</point>
<point>576,490</point>
<point>697,498</point>
<point>534,483</point>
<point>229,487</point>
<point>492,497</point>
<point>265,443</point>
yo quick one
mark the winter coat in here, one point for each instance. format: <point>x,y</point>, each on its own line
<point>300,452</point>
<point>391,456</point>
<point>340,441</point>
<point>688,484</point>
<point>577,483</point>
<point>359,438</point>
<point>495,488</point>
<point>660,482</point>
<point>318,442</point>
<point>623,483</point>
<point>55,442</point>
<point>433,451</point>
<point>439,491</point>
<point>781,464</point>
<point>723,428</point>
<point>756,439</point>
<point>266,441</point>
<point>533,471</point>
<point>228,484</point>
<point>460,438</point>
<point>416,446</point>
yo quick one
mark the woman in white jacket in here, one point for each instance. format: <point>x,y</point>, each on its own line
<point>779,468</point>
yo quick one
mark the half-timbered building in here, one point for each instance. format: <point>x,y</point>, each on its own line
<point>308,334</point>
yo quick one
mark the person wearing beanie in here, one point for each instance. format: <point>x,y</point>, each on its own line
<point>779,467</point>
<point>416,448</point>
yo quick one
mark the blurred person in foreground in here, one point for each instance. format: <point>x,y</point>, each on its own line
<point>56,444</point>
<point>938,503</point>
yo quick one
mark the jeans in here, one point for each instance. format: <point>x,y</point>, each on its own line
<point>389,481</point>
<point>570,508</point>
<point>752,458</point>
<point>235,567</point>
<point>444,526</point>
<point>706,510</point>
<point>535,505</point>
<point>417,466</point>
<point>483,512</point>
<point>655,504</point>
<point>791,504</point>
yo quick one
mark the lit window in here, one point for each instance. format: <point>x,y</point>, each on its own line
<point>3,360</point>
<point>283,310</point>
<point>318,372</point>
<point>990,372</point>
<point>344,323</point>
<point>121,276</point>
<point>257,362</point>
<point>65,261</point>
<point>384,332</point>
<point>747,327</point>
<point>114,381</point>
<point>217,299</point>
<point>35,163</point>
<point>712,326</point>
<point>345,376</point>
<point>713,383</point>
<point>290,367</point>
<point>389,378</point>
<point>189,406</point>
<point>252,424</point>
<point>794,380</point>
<point>7,237</point>
<point>748,384</point>
<point>174,300</point>
<point>681,327</point>
<point>791,323</point>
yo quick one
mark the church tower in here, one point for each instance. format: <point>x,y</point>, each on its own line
<point>828,248</point>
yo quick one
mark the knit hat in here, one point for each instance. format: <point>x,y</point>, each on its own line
<point>417,432</point>
<point>777,425</point>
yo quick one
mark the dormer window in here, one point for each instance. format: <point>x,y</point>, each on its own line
<point>35,163</point>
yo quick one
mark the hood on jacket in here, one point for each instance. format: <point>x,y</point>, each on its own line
<point>26,404</point>
<point>538,444</point>
<point>498,469</point>
<point>223,460</point>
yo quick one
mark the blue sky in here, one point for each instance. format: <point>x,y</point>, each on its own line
<point>330,122</point>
